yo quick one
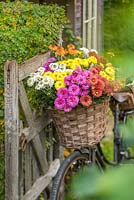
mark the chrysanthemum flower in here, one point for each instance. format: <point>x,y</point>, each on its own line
<point>81,79</point>
<point>74,89</point>
<point>60,51</point>
<point>59,103</point>
<point>54,66</point>
<point>100,85</point>
<point>59,84</point>
<point>93,80</point>
<point>92,59</point>
<point>62,92</point>
<point>67,108</point>
<point>93,70</point>
<point>96,93</point>
<point>110,70</point>
<point>86,100</point>
<point>68,80</point>
<point>53,47</point>
<point>83,92</point>
<point>72,100</point>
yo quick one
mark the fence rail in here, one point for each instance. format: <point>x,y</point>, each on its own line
<point>30,165</point>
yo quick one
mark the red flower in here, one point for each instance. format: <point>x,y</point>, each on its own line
<point>97,93</point>
<point>93,80</point>
<point>108,88</point>
<point>93,70</point>
<point>100,85</point>
<point>86,100</point>
<point>98,68</point>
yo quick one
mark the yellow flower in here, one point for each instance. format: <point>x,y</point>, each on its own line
<point>59,84</point>
<point>48,74</point>
<point>109,65</point>
<point>101,65</point>
<point>60,76</point>
<point>103,74</point>
<point>84,62</point>
<point>55,74</point>
<point>92,59</point>
<point>110,70</point>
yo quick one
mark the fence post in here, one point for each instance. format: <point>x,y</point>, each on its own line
<point>11,131</point>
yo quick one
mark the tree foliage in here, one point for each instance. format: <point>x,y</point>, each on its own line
<point>26,29</point>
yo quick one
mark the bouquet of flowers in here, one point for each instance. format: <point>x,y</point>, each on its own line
<point>74,85</point>
<point>73,77</point>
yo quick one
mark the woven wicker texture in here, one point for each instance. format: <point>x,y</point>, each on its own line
<point>82,127</point>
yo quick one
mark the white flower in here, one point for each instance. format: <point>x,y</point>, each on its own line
<point>48,81</point>
<point>85,51</point>
<point>93,50</point>
<point>54,66</point>
<point>37,76</point>
<point>37,87</point>
<point>30,81</point>
<point>41,70</point>
<point>62,67</point>
<point>51,82</point>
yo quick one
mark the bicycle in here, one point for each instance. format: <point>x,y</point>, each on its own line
<point>94,156</point>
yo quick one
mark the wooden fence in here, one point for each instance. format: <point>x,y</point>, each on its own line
<point>30,166</point>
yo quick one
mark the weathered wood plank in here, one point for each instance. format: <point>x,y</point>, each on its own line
<point>50,149</point>
<point>31,65</point>
<point>11,131</point>
<point>21,174</point>
<point>41,123</point>
<point>42,182</point>
<point>36,144</point>
<point>28,168</point>
<point>39,153</point>
<point>35,169</point>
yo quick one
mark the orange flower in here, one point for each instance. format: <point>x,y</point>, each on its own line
<point>86,100</point>
<point>60,51</point>
<point>71,46</point>
<point>53,47</point>
<point>72,51</point>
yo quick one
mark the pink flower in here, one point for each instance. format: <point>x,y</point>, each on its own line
<point>86,100</point>
<point>68,80</point>
<point>62,92</point>
<point>83,92</point>
<point>73,89</point>
<point>85,87</point>
<point>59,103</point>
<point>72,101</point>
<point>51,60</point>
<point>81,80</point>
<point>67,108</point>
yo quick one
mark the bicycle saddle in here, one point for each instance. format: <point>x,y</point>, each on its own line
<point>121,96</point>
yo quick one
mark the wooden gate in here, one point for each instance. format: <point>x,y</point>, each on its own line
<point>30,163</point>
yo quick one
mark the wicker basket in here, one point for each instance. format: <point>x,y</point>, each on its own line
<point>82,127</point>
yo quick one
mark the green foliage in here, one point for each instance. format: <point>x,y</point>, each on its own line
<point>2,169</point>
<point>114,184</point>
<point>119,26</point>
<point>26,29</point>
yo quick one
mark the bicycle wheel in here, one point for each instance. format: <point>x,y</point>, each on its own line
<point>72,163</point>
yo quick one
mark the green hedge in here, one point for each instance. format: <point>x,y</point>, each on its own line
<point>26,29</point>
